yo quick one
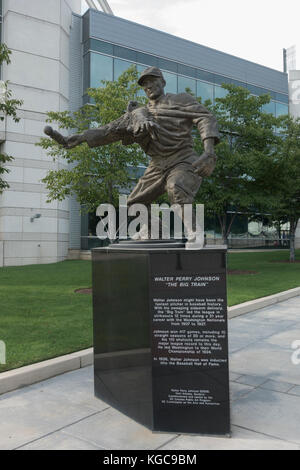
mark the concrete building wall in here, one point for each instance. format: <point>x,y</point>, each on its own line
<point>38,34</point>
<point>76,87</point>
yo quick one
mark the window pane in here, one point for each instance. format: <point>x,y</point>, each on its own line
<point>120,66</point>
<point>238,83</point>
<point>203,75</point>
<point>260,91</point>
<point>220,92</point>
<point>269,108</point>
<point>101,69</point>
<point>125,53</point>
<point>171,79</point>
<point>140,69</point>
<point>254,90</point>
<point>272,94</point>
<point>186,70</point>
<point>205,90</point>
<point>184,83</point>
<point>86,72</point>
<point>147,59</point>
<point>219,79</point>
<point>101,46</point>
<point>167,65</point>
<point>264,91</point>
<point>281,109</point>
<point>282,97</point>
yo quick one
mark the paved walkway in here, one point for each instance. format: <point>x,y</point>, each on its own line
<point>62,413</point>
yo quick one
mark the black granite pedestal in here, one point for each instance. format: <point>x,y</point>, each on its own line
<point>160,335</point>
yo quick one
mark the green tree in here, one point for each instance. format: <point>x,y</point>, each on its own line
<point>287,207</point>
<point>243,180</point>
<point>98,174</point>
<point>8,107</point>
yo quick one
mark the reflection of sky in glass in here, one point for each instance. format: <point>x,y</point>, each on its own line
<point>220,92</point>
<point>281,109</point>
<point>184,83</point>
<point>86,75</point>
<point>269,108</point>
<point>205,90</point>
<point>141,68</point>
<point>171,79</point>
<point>101,69</point>
<point>120,66</point>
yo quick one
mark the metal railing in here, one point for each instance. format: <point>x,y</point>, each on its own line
<point>89,242</point>
<point>255,243</point>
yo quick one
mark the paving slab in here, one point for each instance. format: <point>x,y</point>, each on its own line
<point>113,430</point>
<point>286,338</point>
<point>238,340</point>
<point>271,413</point>
<point>295,391</point>
<point>29,414</point>
<point>252,380</point>
<point>62,412</point>
<point>276,313</point>
<point>292,301</point>
<point>255,329</point>
<point>264,359</point>
<point>276,386</point>
<point>233,376</point>
<point>60,441</point>
<point>242,439</point>
<point>238,390</point>
<point>76,387</point>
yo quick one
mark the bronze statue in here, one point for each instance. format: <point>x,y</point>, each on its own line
<point>164,131</point>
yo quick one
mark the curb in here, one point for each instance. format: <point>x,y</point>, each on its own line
<point>256,304</point>
<point>28,375</point>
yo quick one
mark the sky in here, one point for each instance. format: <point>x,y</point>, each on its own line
<point>256,30</point>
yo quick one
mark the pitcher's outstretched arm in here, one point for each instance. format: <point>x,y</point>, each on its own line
<point>112,132</point>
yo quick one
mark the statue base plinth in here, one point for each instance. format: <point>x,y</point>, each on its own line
<point>160,335</point>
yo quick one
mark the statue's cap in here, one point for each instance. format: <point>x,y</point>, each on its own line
<point>150,72</point>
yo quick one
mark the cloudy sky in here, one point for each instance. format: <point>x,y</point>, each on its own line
<point>256,30</point>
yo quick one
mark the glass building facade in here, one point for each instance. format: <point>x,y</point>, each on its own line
<point>105,59</point>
